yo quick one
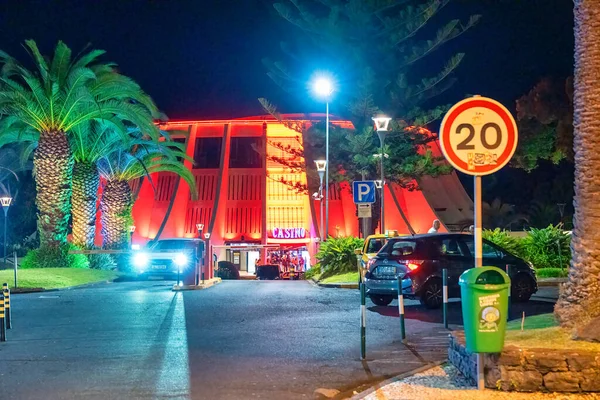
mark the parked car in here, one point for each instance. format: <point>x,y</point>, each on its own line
<point>167,258</point>
<point>371,245</point>
<point>419,261</point>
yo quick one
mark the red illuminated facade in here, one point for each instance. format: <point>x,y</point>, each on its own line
<point>245,207</point>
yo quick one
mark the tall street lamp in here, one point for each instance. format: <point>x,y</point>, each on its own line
<point>323,87</point>
<point>206,253</point>
<point>381,126</point>
<point>321,167</point>
<point>200,227</point>
<point>5,201</point>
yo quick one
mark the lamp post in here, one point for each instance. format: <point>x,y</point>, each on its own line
<point>131,230</point>
<point>206,253</point>
<point>5,201</point>
<point>323,87</point>
<point>321,167</point>
<point>200,227</point>
<point>381,127</point>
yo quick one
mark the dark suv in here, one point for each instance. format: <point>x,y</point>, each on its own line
<point>419,261</point>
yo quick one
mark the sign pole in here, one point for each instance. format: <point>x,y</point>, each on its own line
<point>478,262</point>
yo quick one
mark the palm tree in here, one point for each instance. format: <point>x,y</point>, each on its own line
<point>59,95</point>
<point>140,158</point>
<point>579,303</point>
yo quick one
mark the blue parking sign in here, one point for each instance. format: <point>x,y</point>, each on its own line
<point>364,191</point>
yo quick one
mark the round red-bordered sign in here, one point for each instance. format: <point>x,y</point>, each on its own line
<point>478,136</point>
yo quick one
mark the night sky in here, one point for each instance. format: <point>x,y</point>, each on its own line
<point>202,59</point>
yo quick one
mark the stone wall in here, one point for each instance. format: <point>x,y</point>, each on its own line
<point>528,370</point>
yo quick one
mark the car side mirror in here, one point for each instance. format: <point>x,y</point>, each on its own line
<point>358,252</point>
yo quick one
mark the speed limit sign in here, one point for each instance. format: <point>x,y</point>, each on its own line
<point>478,136</point>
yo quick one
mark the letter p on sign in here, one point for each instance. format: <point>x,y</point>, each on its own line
<point>364,191</point>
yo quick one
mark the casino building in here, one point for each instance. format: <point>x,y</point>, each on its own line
<point>247,203</point>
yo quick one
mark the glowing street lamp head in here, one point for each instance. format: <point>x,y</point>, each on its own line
<point>321,165</point>
<point>381,123</point>
<point>378,183</point>
<point>207,236</point>
<point>323,87</point>
<point>131,228</point>
<point>199,227</point>
<point>5,201</point>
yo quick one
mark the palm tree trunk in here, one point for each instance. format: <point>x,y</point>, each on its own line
<point>579,301</point>
<point>116,204</point>
<point>53,171</point>
<point>85,195</point>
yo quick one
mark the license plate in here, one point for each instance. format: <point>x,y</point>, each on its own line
<point>386,270</point>
<point>159,267</point>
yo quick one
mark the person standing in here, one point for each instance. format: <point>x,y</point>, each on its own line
<point>435,227</point>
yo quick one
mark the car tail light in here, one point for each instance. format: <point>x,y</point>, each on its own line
<point>413,264</point>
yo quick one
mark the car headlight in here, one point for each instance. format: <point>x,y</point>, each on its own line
<point>140,260</point>
<point>181,260</point>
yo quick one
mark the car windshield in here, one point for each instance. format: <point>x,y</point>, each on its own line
<point>174,245</point>
<point>402,247</point>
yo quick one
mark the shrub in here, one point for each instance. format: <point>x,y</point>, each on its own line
<point>505,240</point>
<point>54,257</point>
<point>314,271</point>
<point>552,273</point>
<point>548,247</point>
<point>336,255</point>
<point>102,261</point>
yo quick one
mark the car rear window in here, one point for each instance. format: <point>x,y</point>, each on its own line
<point>375,245</point>
<point>403,247</point>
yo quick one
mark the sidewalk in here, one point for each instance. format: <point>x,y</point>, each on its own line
<point>542,282</point>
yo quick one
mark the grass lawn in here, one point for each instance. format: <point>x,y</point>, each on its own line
<point>52,278</point>
<point>542,331</point>
<point>348,277</point>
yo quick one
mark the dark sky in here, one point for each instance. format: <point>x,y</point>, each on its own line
<point>202,59</point>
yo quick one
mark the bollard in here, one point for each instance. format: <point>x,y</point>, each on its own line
<point>445,296</point>
<point>15,266</point>
<point>6,293</point>
<point>401,310</point>
<point>509,290</point>
<point>363,322</point>
<point>2,323</point>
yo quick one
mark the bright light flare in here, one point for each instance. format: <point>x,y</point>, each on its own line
<point>181,259</point>
<point>323,87</point>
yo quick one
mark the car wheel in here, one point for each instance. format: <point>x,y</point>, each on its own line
<point>521,289</point>
<point>381,300</point>
<point>431,294</point>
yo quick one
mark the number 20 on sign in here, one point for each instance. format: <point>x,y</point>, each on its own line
<point>478,136</point>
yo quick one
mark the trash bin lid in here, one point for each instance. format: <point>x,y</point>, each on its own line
<point>484,276</point>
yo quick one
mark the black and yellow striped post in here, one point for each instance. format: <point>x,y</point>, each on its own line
<point>445,296</point>
<point>2,323</point>
<point>401,310</point>
<point>6,293</point>
<point>363,322</point>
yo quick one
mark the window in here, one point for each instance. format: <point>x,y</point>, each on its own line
<point>175,245</point>
<point>375,245</point>
<point>451,247</point>
<point>400,247</point>
<point>243,153</point>
<point>207,153</point>
<point>489,251</point>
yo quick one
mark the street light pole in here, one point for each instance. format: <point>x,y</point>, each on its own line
<point>321,167</point>
<point>131,230</point>
<point>323,87</point>
<point>326,171</point>
<point>381,126</point>
<point>200,227</point>
<point>5,201</point>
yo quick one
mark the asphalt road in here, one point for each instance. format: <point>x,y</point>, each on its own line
<point>237,340</point>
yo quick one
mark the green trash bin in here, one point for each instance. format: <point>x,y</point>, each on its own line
<point>484,306</point>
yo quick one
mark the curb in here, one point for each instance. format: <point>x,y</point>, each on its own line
<point>208,283</point>
<point>346,285</point>
<point>545,282</point>
<point>40,290</point>
<point>396,378</point>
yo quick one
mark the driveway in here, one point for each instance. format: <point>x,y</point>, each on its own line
<point>237,340</point>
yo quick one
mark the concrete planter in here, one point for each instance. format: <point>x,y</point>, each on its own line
<point>530,370</point>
